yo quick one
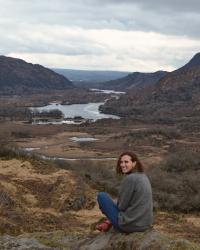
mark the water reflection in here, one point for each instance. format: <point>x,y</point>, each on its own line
<point>83,139</point>
<point>87,111</point>
<point>107,91</point>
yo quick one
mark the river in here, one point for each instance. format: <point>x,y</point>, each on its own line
<point>87,111</point>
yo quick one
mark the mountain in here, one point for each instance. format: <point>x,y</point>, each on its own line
<point>176,95</point>
<point>181,85</point>
<point>132,80</point>
<point>81,77</point>
<point>18,76</point>
<point>195,61</point>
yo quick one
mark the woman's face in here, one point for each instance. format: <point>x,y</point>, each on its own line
<point>126,164</point>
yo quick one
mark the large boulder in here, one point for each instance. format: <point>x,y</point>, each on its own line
<point>150,240</point>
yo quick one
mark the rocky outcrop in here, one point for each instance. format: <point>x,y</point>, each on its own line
<point>150,240</point>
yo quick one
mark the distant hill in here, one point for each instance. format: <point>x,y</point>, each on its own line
<point>81,77</point>
<point>136,79</point>
<point>113,80</point>
<point>175,95</point>
<point>20,77</point>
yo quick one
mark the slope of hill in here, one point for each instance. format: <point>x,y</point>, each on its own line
<point>19,77</point>
<point>195,61</point>
<point>175,95</point>
<point>136,79</point>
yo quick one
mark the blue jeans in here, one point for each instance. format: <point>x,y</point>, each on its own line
<point>109,208</point>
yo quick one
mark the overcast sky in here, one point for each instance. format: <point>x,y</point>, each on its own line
<point>125,35</point>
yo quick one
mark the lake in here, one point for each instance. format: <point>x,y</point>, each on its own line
<point>87,111</point>
<point>107,91</point>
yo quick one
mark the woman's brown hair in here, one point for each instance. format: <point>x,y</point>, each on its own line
<point>139,167</point>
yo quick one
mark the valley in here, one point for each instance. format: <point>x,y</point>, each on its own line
<point>53,172</point>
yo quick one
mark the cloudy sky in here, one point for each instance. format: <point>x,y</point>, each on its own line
<point>125,35</point>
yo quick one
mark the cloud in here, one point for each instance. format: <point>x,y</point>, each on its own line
<point>100,49</point>
<point>170,17</point>
<point>163,5</point>
<point>29,38</point>
<point>100,34</point>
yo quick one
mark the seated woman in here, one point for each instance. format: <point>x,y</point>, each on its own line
<point>134,209</point>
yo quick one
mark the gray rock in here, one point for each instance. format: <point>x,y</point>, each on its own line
<point>19,243</point>
<point>149,240</point>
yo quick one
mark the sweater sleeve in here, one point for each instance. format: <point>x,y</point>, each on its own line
<point>125,193</point>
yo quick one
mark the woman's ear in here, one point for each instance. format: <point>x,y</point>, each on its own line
<point>134,164</point>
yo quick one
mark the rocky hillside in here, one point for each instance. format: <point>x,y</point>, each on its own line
<point>136,79</point>
<point>20,77</point>
<point>175,95</point>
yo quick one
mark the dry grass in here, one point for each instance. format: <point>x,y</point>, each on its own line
<point>40,197</point>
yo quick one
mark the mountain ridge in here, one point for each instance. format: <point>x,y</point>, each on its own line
<point>17,77</point>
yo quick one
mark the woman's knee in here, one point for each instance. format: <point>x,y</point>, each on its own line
<point>101,196</point>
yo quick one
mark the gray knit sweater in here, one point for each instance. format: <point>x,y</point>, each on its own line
<point>135,203</point>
